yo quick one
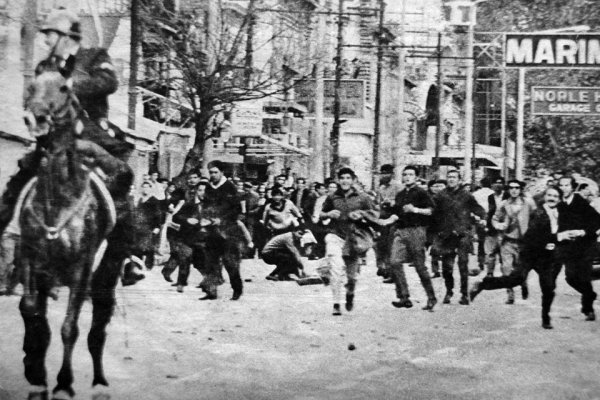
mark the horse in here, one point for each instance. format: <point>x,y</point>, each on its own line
<point>65,215</point>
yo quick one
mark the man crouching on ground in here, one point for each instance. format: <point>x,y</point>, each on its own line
<point>349,236</point>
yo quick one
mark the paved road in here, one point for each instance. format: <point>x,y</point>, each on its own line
<point>280,341</point>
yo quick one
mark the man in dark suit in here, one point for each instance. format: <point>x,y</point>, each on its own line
<point>537,252</point>
<point>300,197</point>
<point>147,218</point>
<point>224,237</point>
<point>578,223</point>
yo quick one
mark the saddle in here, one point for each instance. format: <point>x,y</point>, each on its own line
<point>98,186</point>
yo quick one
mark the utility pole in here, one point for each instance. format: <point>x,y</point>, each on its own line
<point>438,131</point>
<point>29,32</point>
<point>318,137</point>
<point>377,110</point>
<point>335,132</point>
<point>248,69</point>
<point>503,136</point>
<point>468,142</point>
<point>398,149</point>
<point>134,59</point>
<point>519,153</point>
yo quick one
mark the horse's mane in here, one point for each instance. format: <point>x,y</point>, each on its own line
<point>61,173</point>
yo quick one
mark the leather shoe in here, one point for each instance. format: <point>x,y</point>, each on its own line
<point>447,298</point>
<point>431,302</point>
<point>436,275</point>
<point>464,300</point>
<point>546,323</point>
<point>236,295</point>
<point>208,297</point>
<point>406,303</point>
<point>166,275</point>
<point>590,316</point>
<point>388,280</point>
<point>336,309</point>
<point>180,288</point>
<point>272,278</point>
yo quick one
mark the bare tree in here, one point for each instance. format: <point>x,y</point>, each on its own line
<point>215,58</point>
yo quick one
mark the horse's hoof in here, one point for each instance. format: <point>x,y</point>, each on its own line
<point>37,395</point>
<point>100,392</point>
<point>61,395</point>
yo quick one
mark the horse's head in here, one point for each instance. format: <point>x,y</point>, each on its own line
<point>51,105</point>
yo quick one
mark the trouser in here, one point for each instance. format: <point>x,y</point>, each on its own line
<point>408,245</point>
<point>382,251</point>
<point>211,278</point>
<point>459,246</point>
<point>547,267</point>
<point>285,262</point>
<point>226,248</point>
<point>344,266</point>
<point>480,246</point>
<point>181,257</point>
<point>578,272</point>
<point>492,251</point>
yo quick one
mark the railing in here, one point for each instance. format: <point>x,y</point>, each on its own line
<point>101,7</point>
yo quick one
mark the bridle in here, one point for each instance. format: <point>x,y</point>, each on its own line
<point>70,110</point>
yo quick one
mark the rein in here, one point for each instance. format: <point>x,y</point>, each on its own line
<point>52,232</point>
<point>70,110</point>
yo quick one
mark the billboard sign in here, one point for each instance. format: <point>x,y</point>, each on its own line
<point>550,100</point>
<point>352,97</point>
<point>247,119</point>
<point>557,50</point>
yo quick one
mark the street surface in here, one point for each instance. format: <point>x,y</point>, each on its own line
<point>280,341</point>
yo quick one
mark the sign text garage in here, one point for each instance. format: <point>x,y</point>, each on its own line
<point>567,50</point>
<point>565,100</point>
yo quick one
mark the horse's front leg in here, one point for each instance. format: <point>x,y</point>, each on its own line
<point>104,282</point>
<point>33,307</point>
<point>69,333</point>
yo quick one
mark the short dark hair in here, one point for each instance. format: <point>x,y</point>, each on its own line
<point>277,191</point>
<point>573,181</point>
<point>193,172</point>
<point>411,168</point>
<point>146,183</point>
<point>202,183</point>
<point>300,179</point>
<point>318,185</point>
<point>454,171</point>
<point>518,182</point>
<point>560,192</point>
<point>218,164</point>
<point>442,181</point>
<point>346,171</point>
<point>499,180</point>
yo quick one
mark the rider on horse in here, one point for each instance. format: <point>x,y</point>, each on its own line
<point>103,144</point>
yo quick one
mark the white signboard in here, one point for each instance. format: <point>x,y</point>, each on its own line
<point>564,50</point>
<point>247,119</point>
